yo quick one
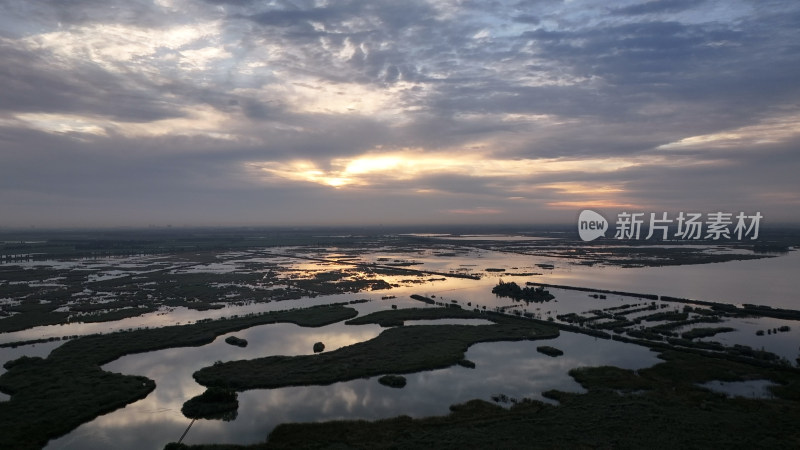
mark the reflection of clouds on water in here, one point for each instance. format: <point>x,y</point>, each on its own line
<point>512,368</point>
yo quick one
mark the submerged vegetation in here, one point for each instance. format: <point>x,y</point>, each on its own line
<point>397,317</point>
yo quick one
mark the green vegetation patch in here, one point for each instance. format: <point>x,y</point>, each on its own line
<point>214,403</point>
<point>102,349</point>
<point>395,381</point>
<point>527,294</point>
<point>466,363</point>
<point>237,341</point>
<point>109,316</point>
<point>666,315</point>
<point>30,319</point>
<point>50,397</point>
<point>423,299</point>
<point>549,351</point>
<point>390,318</point>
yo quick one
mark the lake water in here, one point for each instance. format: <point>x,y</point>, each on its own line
<point>767,281</point>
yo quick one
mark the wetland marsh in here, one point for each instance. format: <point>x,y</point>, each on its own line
<point>155,316</point>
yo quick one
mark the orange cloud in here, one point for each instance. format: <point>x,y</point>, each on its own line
<point>475,211</point>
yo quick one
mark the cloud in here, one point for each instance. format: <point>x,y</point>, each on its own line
<point>657,6</point>
<point>412,164</point>
<point>148,109</point>
<point>476,211</point>
<point>769,131</point>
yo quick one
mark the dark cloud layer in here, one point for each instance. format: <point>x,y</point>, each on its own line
<point>230,111</point>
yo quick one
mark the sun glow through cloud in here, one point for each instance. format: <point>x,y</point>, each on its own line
<point>374,169</point>
<point>477,211</point>
<point>770,131</point>
<point>582,188</point>
<point>598,204</point>
<point>199,121</point>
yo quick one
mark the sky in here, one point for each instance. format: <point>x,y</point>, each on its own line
<point>240,112</point>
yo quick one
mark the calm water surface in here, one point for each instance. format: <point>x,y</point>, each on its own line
<point>515,369</point>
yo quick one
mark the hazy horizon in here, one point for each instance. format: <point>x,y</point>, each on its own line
<point>767,231</point>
